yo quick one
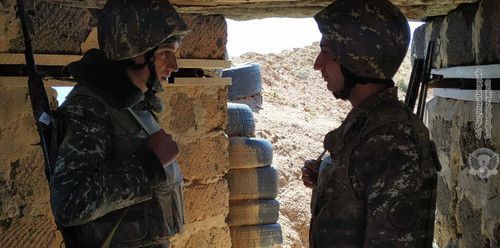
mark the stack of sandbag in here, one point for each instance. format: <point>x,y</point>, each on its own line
<point>253,183</point>
<point>246,81</point>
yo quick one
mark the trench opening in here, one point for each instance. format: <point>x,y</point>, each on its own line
<point>294,110</point>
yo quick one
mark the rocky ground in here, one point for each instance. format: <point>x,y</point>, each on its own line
<point>294,111</point>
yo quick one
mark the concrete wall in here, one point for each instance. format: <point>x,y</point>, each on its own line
<point>468,35</point>
<point>468,207</point>
<point>196,117</point>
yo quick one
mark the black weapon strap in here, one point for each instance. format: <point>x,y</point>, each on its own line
<point>111,234</point>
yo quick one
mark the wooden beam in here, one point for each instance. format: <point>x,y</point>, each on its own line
<point>470,72</point>
<point>40,59</point>
<point>465,95</point>
<point>203,63</point>
<point>178,82</point>
<point>99,4</point>
<point>201,82</point>
<point>62,60</point>
<point>23,82</point>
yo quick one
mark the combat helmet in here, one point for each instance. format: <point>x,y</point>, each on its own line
<point>129,28</point>
<point>369,39</point>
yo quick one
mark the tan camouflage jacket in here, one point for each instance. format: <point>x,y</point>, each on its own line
<point>380,189</point>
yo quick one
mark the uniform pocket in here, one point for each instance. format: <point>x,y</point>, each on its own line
<point>132,229</point>
<point>339,224</point>
<point>169,199</point>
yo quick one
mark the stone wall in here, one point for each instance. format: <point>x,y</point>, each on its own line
<point>25,216</point>
<point>195,116</point>
<point>468,207</point>
<point>254,9</point>
<point>61,25</point>
<point>468,35</point>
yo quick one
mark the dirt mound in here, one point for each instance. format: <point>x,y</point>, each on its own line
<point>294,112</point>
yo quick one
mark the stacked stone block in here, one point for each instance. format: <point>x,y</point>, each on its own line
<point>25,216</point>
<point>196,118</point>
<point>467,205</point>
<point>468,35</point>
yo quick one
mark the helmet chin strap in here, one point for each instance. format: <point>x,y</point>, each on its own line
<point>153,82</point>
<point>350,81</point>
<point>151,101</point>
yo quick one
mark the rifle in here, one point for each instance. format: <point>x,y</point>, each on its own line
<point>38,96</point>
<point>412,92</point>
<point>419,81</point>
<point>46,126</point>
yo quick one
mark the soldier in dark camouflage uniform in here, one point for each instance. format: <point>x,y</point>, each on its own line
<point>379,188</point>
<point>116,182</point>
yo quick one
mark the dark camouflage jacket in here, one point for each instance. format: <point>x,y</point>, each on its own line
<point>98,173</point>
<point>89,180</point>
<point>379,190</point>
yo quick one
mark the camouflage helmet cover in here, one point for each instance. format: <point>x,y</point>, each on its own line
<point>368,37</point>
<point>129,28</point>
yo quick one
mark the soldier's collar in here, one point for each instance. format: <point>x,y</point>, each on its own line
<point>357,116</point>
<point>389,94</point>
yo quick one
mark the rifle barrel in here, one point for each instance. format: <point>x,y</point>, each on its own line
<point>30,61</point>
<point>38,95</point>
<point>426,77</point>
<point>413,86</point>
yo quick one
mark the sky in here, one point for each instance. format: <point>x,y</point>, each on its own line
<point>269,35</point>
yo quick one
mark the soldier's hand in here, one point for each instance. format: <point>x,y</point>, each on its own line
<point>310,173</point>
<point>163,146</point>
<point>329,140</point>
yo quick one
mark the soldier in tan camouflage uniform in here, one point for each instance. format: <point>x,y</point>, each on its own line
<point>116,182</point>
<point>379,188</point>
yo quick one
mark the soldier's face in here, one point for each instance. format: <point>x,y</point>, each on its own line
<point>165,63</point>
<point>330,69</point>
<point>165,60</point>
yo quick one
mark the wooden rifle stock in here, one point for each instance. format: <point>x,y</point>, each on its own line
<point>41,111</point>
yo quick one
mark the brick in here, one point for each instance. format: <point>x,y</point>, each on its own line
<point>200,235</point>
<point>207,39</point>
<point>456,34</point>
<point>425,33</point>
<point>24,212</point>
<point>194,111</point>
<point>205,158</point>
<point>215,237</point>
<point>203,201</point>
<point>57,29</point>
<point>418,43</point>
<point>486,32</point>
